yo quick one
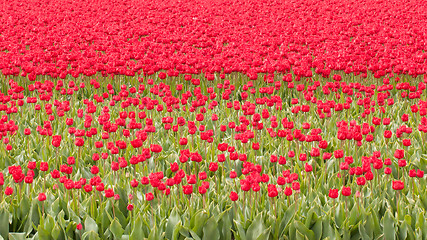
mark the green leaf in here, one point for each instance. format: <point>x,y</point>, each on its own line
<point>241,234</point>
<point>43,233</point>
<point>56,231</point>
<point>403,230</point>
<point>256,228</point>
<point>264,235</point>
<point>388,226</point>
<point>337,235</point>
<point>154,234</point>
<point>173,219</point>
<point>184,232</point>
<point>300,236</point>
<point>194,235</point>
<point>210,230</point>
<point>363,233</point>
<point>49,223</point>
<point>339,215</point>
<point>327,230</point>
<point>17,236</point>
<point>176,231</point>
<point>137,232</point>
<point>199,221</point>
<point>104,219</point>
<point>116,229</point>
<point>70,230</point>
<point>292,231</point>
<point>90,225</point>
<point>368,226</point>
<point>25,206</point>
<point>56,207</point>
<point>304,230</point>
<point>354,216</point>
<point>225,228</point>
<point>317,229</point>
<point>4,223</point>
<point>289,214</point>
<point>90,235</point>
<point>375,224</point>
<point>309,218</point>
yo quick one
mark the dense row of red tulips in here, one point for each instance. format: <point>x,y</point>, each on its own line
<point>57,38</point>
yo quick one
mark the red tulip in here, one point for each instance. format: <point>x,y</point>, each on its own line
<point>361,181</point>
<point>44,166</point>
<point>31,165</point>
<point>8,191</point>
<point>129,207</point>
<point>183,141</point>
<point>79,142</point>
<point>69,121</point>
<point>233,196</point>
<point>399,153</point>
<point>272,190</point>
<point>405,117</point>
<point>27,131</point>
<point>109,193</point>
<point>213,166</point>
<point>187,189</point>
<point>308,167</point>
<point>156,148</point>
<point>398,185</point>
<point>149,196</point>
<point>387,134</point>
<point>401,162</point>
<point>406,142</point>
<point>41,197</point>
<point>346,191</point>
<point>333,193</point>
<point>202,190</point>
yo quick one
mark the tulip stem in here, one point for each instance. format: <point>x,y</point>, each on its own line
<point>112,206</point>
<point>346,207</point>
<point>42,209</point>
<point>78,156</point>
<point>397,204</point>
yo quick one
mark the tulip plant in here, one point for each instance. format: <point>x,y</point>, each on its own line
<point>225,120</point>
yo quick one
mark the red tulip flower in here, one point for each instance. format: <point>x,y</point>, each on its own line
<point>44,166</point>
<point>79,141</point>
<point>149,196</point>
<point>233,196</point>
<point>79,226</point>
<point>156,148</point>
<point>8,191</point>
<point>346,191</point>
<point>333,193</point>
<point>41,197</point>
<point>187,189</point>
<point>109,193</point>
<point>183,141</point>
<point>213,166</point>
<point>398,185</point>
<point>406,142</point>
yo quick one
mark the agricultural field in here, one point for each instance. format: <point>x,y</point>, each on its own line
<point>213,119</point>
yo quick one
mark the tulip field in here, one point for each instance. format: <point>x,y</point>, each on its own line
<point>234,120</point>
